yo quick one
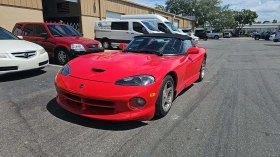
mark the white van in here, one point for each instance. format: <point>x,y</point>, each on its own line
<point>158,21</point>
<point>112,33</point>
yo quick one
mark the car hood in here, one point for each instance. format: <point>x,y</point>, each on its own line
<point>112,66</point>
<point>77,40</point>
<point>10,46</point>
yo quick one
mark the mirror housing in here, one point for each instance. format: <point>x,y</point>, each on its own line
<point>45,35</point>
<point>193,50</point>
<point>122,46</point>
<point>21,37</point>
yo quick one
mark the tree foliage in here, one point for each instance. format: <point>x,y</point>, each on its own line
<point>160,7</point>
<point>274,21</point>
<point>243,17</point>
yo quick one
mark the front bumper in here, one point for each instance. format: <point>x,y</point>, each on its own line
<point>105,101</point>
<point>14,64</point>
<point>89,51</point>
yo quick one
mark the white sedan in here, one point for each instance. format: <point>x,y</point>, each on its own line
<point>20,55</point>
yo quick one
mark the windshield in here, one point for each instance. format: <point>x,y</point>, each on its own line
<point>63,31</point>
<point>172,26</point>
<point>149,26</point>
<point>5,35</point>
<point>155,45</point>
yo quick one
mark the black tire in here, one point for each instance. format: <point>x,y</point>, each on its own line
<point>257,38</point>
<point>216,37</point>
<point>202,70</point>
<point>62,56</point>
<point>204,39</point>
<point>275,40</point>
<point>160,110</point>
<point>106,44</point>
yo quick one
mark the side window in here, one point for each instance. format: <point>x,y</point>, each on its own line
<point>163,28</point>
<point>186,45</point>
<point>17,29</point>
<point>119,26</point>
<point>39,29</point>
<point>139,27</point>
<point>28,30</point>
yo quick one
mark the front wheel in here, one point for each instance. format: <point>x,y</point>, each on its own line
<point>62,56</point>
<point>257,38</point>
<point>165,97</point>
<point>202,70</point>
<point>216,37</point>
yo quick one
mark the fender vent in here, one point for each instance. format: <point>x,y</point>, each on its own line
<point>98,70</point>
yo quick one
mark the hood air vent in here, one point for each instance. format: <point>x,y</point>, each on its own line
<point>98,70</point>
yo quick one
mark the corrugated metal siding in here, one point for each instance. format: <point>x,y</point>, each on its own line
<point>34,4</point>
<point>90,7</point>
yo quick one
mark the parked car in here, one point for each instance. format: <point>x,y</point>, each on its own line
<point>227,35</point>
<point>112,33</point>
<point>137,84</point>
<point>20,55</point>
<point>272,37</point>
<point>201,34</point>
<point>263,35</point>
<point>190,33</point>
<point>62,42</point>
<point>214,35</point>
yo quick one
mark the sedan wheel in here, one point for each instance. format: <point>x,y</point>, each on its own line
<point>165,98</point>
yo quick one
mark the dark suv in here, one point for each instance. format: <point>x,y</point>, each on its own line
<point>62,42</point>
<point>201,34</point>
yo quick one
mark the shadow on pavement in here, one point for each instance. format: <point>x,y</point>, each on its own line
<point>63,114</point>
<point>21,75</point>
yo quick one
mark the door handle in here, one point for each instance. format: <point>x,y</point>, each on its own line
<point>127,32</point>
<point>190,59</point>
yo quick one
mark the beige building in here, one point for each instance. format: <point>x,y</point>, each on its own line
<point>81,14</point>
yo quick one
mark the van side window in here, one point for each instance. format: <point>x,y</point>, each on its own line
<point>40,29</point>
<point>163,28</point>
<point>139,27</point>
<point>17,29</point>
<point>119,26</point>
<point>28,30</point>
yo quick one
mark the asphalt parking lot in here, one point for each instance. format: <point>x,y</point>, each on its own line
<point>235,111</point>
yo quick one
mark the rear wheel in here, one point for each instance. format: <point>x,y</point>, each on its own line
<point>257,38</point>
<point>165,97</point>
<point>216,37</point>
<point>106,44</point>
<point>62,56</point>
<point>204,39</point>
<point>202,70</point>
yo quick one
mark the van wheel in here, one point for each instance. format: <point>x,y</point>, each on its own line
<point>61,56</point>
<point>106,44</point>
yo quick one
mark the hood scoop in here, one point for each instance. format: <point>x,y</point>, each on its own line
<point>98,70</point>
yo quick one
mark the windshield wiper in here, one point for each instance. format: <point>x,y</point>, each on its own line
<point>159,53</point>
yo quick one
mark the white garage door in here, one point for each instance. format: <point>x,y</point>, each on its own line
<point>113,16</point>
<point>176,23</point>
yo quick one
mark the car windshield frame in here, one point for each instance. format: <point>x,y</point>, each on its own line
<point>149,26</point>
<point>9,34</point>
<point>63,31</point>
<point>170,25</point>
<point>162,49</point>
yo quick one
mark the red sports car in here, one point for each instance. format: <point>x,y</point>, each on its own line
<point>136,84</point>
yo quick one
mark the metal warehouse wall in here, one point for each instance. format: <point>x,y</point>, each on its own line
<point>13,11</point>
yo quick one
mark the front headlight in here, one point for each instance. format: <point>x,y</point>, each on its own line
<point>2,55</point>
<point>42,51</point>
<point>100,45</point>
<point>65,71</point>
<point>141,80</point>
<point>77,47</point>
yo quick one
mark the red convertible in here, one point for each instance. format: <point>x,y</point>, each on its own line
<point>136,84</point>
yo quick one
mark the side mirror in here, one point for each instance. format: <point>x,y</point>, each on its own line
<point>193,50</point>
<point>122,46</point>
<point>21,37</point>
<point>45,35</point>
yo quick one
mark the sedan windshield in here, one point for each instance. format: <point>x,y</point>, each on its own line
<point>155,45</point>
<point>5,35</point>
<point>172,26</point>
<point>63,31</point>
<point>150,26</point>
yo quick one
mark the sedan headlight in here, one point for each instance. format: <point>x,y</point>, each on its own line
<point>141,80</point>
<point>77,47</point>
<point>65,71</point>
<point>2,55</point>
<point>42,51</point>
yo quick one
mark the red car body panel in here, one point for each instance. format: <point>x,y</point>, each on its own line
<point>100,98</point>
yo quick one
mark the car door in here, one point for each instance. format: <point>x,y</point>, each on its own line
<point>28,32</point>
<point>42,37</point>
<point>120,32</point>
<point>193,61</point>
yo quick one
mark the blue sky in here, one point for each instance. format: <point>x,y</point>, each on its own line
<point>266,9</point>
